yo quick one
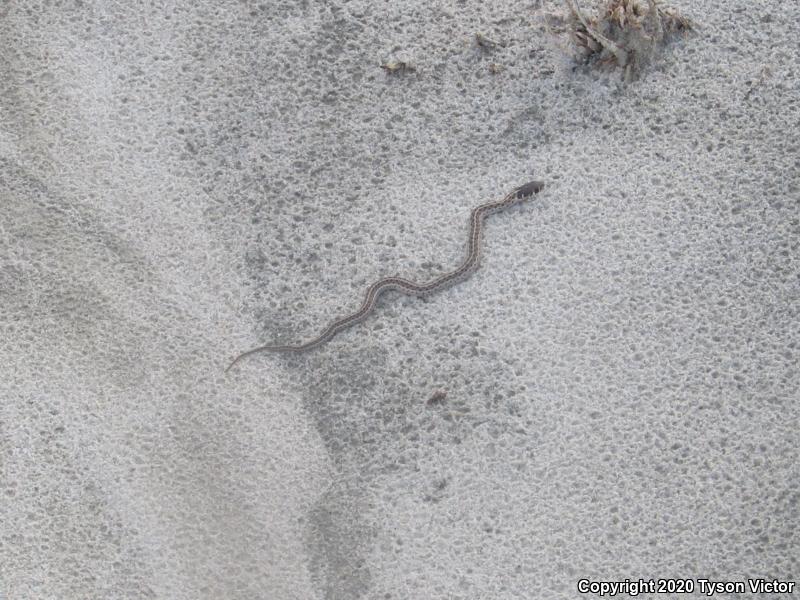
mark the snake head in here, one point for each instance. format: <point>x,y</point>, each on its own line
<point>529,189</point>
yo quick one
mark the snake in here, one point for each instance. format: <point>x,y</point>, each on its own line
<point>409,288</point>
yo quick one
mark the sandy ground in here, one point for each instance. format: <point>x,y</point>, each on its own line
<point>619,381</point>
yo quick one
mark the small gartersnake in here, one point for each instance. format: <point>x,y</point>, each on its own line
<point>464,270</point>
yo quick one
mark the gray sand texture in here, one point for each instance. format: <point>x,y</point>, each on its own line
<point>612,395</point>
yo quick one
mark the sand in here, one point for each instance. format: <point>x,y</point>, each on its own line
<point>614,394</point>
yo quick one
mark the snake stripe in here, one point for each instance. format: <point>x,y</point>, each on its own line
<point>464,270</point>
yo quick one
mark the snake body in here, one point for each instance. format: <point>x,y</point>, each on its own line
<point>464,270</point>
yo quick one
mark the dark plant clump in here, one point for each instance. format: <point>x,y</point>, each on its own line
<point>625,34</point>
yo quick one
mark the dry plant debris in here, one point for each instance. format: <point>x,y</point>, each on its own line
<point>486,43</point>
<point>398,67</point>
<point>625,34</point>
